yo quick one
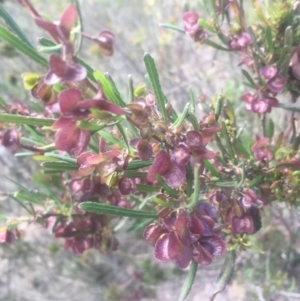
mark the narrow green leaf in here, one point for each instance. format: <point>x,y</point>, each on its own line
<point>189,281</point>
<point>232,184</point>
<point>137,164</point>
<point>270,128</point>
<point>192,100</point>
<point>288,36</point>
<point>212,169</point>
<point>269,38</point>
<point>260,13</point>
<point>134,174</point>
<point>122,132</point>
<point>90,126</point>
<point>154,78</point>
<point>224,276</point>
<point>130,89</point>
<point>296,143</point>
<point>254,43</point>
<point>194,121</point>
<point>32,141</point>
<point>289,108</point>
<point>47,191</point>
<point>106,86</point>
<point>221,147</point>
<point>243,176</point>
<point>21,203</point>
<point>3,103</point>
<point>21,46</point>
<point>171,26</point>
<point>118,96</point>
<point>249,78</point>
<point>50,49</point>
<point>111,139</point>
<point>52,170</point>
<point>61,166</point>
<point>161,202</point>
<point>189,180</point>
<point>219,105</point>
<point>89,69</point>
<point>239,132</point>
<point>215,45</point>
<point>205,8</point>
<point>14,26</point>
<point>215,15</point>
<point>148,82</point>
<point>24,154</point>
<point>256,181</point>
<point>37,136</point>
<point>79,23</point>
<point>196,192</point>
<point>206,25</point>
<point>114,210</point>
<point>223,38</point>
<point>223,9</point>
<point>182,116</point>
<point>147,188</point>
<point>174,114</point>
<point>241,149</point>
<point>228,142</point>
<point>60,157</point>
<point>19,119</point>
<point>45,159</point>
<point>170,191</point>
<point>284,60</point>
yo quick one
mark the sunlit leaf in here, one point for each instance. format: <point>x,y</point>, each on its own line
<point>206,25</point>
<point>121,102</point>
<point>107,88</point>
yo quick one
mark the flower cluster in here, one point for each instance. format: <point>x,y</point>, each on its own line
<point>85,232</point>
<point>181,236</point>
<point>197,179</point>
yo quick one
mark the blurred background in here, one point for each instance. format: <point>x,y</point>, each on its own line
<point>36,267</point>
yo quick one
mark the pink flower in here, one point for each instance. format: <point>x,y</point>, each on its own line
<point>192,27</point>
<point>60,31</point>
<point>241,41</point>
<point>275,81</point>
<point>262,150</point>
<point>256,105</point>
